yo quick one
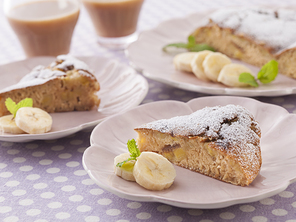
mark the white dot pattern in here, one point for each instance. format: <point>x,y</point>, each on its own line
<point>134,205</point>
<point>174,219</point>
<point>92,219</point>
<point>227,215</point>
<point>45,181</point>
<point>45,162</point>
<point>6,174</point>
<point>76,198</point>
<point>26,202</point>
<point>247,208</point>
<point>113,212</point>
<point>19,192</point>
<point>259,219</point>
<point>55,205</point>
<point>279,212</point>
<point>33,212</point>
<point>11,219</point>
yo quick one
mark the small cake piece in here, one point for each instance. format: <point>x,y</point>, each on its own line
<point>253,35</point>
<point>222,142</point>
<point>65,85</point>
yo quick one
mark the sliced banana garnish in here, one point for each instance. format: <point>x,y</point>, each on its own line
<point>229,75</point>
<point>153,171</point>
<point>33,120</point>
<point>8,125</point>
<point>196,64</point>
<point>213,64</point>
<point>126,170</point>
<point>183,60</point>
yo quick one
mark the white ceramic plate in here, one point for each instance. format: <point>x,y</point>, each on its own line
<point>191,189</point>
<point>121,89</point>
<point>146,55</point>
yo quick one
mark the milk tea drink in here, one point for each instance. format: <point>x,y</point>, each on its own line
<point>114,18</point>
<point>44,27</point>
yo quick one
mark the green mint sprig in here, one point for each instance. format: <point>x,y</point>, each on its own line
<point>190,46</point>
<point>134,151</point>
<point>266,74</point>
<point>12,107</point>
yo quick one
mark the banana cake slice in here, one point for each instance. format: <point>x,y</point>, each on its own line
<point>67,84</point>
<point>254,35</point>
<point>222,142</point>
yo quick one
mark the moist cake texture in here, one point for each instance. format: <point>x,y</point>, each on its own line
<point>253,35</point>
<point>67,84</point>
<point>222,142</point>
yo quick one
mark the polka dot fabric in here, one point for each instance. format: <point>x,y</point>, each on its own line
<point>45,181</point>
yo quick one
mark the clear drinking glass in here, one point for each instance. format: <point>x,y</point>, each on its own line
<point>115,21</point>
<point>43,27</point>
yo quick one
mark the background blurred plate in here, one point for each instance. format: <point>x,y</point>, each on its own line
<point>146,55</point>
<point>121,89</point>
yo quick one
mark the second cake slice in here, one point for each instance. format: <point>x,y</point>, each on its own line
<point>65,85</point>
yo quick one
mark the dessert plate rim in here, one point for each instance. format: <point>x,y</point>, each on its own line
<point>107,141</point>
<point>157,65</point>
<point>121,89</point>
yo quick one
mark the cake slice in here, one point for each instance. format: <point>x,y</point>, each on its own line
<point>65,85</point>
<point>253,35</point>
<point>222,142</point>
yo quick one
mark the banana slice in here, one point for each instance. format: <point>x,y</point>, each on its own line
<point>183,60</point>
<point>8,125</point>
<point>196,64</point>
<point>126,170</point>
<point>153,171</point>
<point>33,120</point>
<point>230,73</point>
<point>213,64</point>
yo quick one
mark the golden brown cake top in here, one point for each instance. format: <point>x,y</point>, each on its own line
<point>60,67</point>
<point>224,125</point>
<point>275,28</point>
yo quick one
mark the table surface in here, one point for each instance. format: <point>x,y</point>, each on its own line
<point>45,180</point>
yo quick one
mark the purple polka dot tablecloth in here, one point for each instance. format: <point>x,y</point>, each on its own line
<point>45,181</point>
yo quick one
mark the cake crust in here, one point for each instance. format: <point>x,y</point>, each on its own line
<point>220,142</point>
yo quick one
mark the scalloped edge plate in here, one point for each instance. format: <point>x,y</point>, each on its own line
<point>191,189</point>
<point>121,89</point>
<point>157,65</point>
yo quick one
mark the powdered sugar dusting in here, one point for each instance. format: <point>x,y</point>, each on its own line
<point>230,128</point>
<point>41,74</point>
<point>276,28</point>
<point>223,124</point>
<point>68,61</point>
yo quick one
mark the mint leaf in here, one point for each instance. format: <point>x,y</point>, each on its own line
<point>191,41</point>
<point>248,78</point>
<point>133,148</point>
<point>123,162</point>
<point>177,45</point>
<point>201,47</point>
<point>134,151</point>
<point>190,45</point>
<point>12,107</point>
<point>268,72</point>
<point>27,102</point>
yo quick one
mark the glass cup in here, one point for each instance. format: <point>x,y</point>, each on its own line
<point>115,21</point>
<point>43,27</point>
